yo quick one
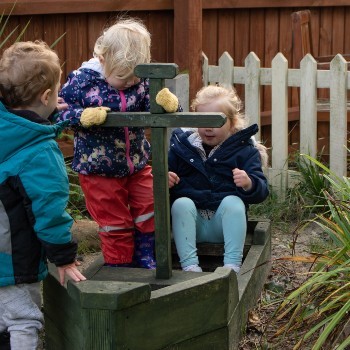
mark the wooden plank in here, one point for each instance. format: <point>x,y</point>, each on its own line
<point>279,123</point>
<point>108,295</point>
<point>76,44</point>
<point>257,34</point>
<point>157,71</point>
<point>210,28</point>
<point>81,6</point>
<point>78,6</point>
<point>158,25</point>
<point>161,202</point>
<point>347,24</point>
<point>96,24</point>
<point>226,32</point>
<point>338,30</point>
<point>242,44</point>
<point>308,108</point>
<point>188,39</point>
<point>54,28</point>
<point>168,120</point>
<point>285,47</point>
<point>252,91</point>
<point>326,24</point>
<point>271,48</point>
<point>209,294</point>
<point>35,31</point>
<point>338,117</point>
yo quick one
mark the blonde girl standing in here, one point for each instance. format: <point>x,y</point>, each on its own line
<point>112,162</point>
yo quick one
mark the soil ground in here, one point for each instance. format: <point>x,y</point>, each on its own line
<point>284,277</point>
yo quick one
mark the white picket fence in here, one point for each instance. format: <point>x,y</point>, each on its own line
<point>280,77</point>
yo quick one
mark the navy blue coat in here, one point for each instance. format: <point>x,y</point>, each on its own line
<point>208,182</point>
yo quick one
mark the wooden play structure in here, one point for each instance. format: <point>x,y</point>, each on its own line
<point>131,308</point>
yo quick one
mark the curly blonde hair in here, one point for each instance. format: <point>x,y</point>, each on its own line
<point>27,69</point>
<point>123,46</point>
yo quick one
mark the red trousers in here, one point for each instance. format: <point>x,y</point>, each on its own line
<point>119,206</point>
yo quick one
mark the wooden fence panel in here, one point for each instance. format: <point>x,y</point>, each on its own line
<point>280,77</point>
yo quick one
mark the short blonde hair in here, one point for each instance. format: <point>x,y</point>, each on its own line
<point>27,69</point>
<point>123,46</point>
<point>231,105</point>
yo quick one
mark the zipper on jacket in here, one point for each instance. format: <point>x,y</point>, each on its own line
<point>127,138</point>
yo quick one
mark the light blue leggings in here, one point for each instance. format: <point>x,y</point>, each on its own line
<point>227,226</point>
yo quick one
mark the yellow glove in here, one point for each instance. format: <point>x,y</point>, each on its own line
<point>167,100</point>
<point>93,116</point>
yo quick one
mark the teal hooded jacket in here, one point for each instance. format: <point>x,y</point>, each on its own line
<point>34,190</point>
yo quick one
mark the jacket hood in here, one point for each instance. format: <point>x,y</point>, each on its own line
<point>93,64</point>
<point>18,133</point>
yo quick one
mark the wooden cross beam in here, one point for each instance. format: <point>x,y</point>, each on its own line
<point>159,122</point>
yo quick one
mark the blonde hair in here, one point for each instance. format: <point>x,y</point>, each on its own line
<point>123,46</point>
<point>27,69</point>
<point>231,105</point>
<point>227,98</point>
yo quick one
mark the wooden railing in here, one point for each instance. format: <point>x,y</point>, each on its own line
<point>308,79</point>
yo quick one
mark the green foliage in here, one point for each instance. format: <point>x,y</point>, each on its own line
<point>312,184</point>
<point>320,307</point>
<point>76,205</point>
<point>3,24</point>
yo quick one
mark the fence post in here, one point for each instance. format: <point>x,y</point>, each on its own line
<point>252,90</point>
<point>226,69</point>
<point>308,106</point>
<point>279,125</point>
<point>338,116</point>
<point>188,40</point>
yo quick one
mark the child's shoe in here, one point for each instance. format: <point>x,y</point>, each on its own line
<point>192,268</point>
<point>144,250</point>
<point>233,267</point>
<point>5,341</point>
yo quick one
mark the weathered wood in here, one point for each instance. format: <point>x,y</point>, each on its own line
<point>175,309</point>
<point>169,120</point>
<point>252,90</point>
<point>157,70</point>
<point>338,121</point>
<point>188,38</point>
<point>109,295</point>
<point>78,6</point>
<point>308,106</point>
<point>161,201</point>
<point>279,123</point>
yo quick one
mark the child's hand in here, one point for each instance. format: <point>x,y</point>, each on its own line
<point>61,105</point>
<point>71,271</point>
<point>93,116</point>
<point>167,100</point>
<point>241,179</point>
<point>173,179</point>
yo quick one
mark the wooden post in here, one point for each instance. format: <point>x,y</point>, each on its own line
<point>188,41</point>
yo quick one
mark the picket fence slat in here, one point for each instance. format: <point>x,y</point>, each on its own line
<point>308,106</point>
<point>280,77</point>
<point>338,124</point>
<point>252,89</point>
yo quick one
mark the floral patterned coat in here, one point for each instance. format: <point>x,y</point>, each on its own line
<point>115,152</point>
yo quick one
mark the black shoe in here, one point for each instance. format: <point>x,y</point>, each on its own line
<point>5,341</point>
